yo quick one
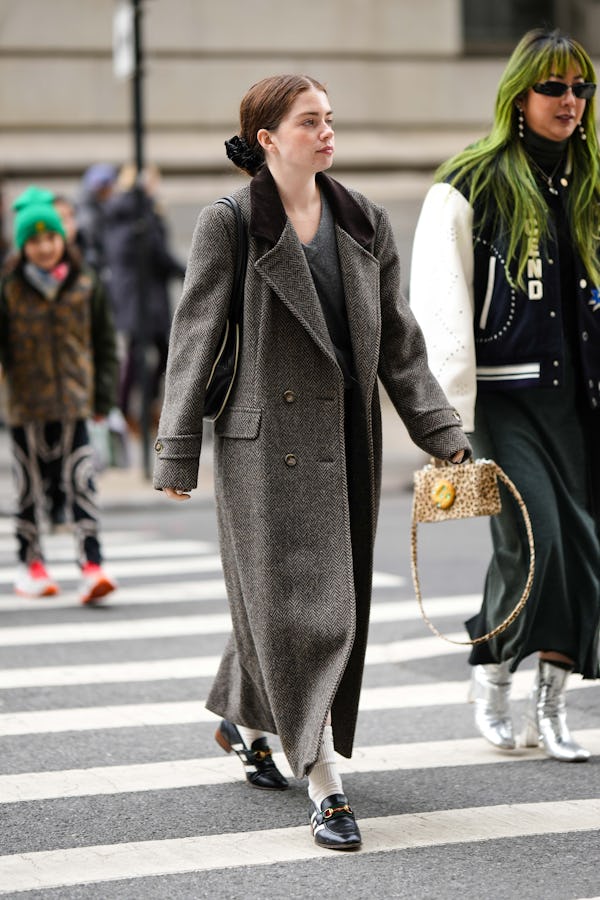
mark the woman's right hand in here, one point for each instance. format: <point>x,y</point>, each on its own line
<point>175,494</point>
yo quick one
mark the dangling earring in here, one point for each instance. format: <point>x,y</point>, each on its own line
<point>582,133</point>
<point>520,122</point>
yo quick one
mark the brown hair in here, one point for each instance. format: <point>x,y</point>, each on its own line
<point>265,104</point>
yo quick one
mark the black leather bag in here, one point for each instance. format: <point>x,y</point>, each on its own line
<point>225,365</point>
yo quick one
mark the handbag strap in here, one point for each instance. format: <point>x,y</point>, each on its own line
<point>526,590</point>
<point>241,261</point>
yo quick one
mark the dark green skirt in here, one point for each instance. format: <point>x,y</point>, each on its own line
<point>544,445</point>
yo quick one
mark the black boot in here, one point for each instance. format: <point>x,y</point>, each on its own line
<point>334,826</point>
<point>257,760</point>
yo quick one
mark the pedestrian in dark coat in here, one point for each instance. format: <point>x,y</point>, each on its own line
<point>96,187</point>
<point>298,448</point>
<point>141,267</point>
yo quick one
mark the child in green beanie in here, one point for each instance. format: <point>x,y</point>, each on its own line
<point>57,348</point>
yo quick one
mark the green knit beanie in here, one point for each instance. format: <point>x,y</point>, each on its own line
<point>34,218</point>
<point>33,194</point>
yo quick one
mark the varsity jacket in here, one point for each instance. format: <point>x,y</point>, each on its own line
<point>483,333</point>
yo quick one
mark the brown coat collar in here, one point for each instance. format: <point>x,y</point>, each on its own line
<point>268,218</point>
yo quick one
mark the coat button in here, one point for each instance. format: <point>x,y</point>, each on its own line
<point>289,396</point>
<point>584,335</point>
<point>582,283</point>
<point>158,446</point>
<point>290,460</point>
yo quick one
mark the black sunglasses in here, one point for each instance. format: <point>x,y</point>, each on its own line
<point>583,90</point>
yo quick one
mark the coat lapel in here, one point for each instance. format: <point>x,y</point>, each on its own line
<point>360,273</point>
<point>286,270</point>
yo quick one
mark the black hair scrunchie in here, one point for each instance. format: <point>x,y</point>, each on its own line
<point>242,156</point>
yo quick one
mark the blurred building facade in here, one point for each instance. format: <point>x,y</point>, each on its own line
<point>410,82</point>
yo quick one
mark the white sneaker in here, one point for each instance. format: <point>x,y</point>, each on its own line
<point>95,584</point>
<point>34,581</point>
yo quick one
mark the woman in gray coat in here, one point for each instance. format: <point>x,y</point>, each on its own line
<point>298,448</point>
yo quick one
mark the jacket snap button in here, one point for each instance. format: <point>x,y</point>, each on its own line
<point>158,446</point>
<point>289,396</point>
<point>290,460</point>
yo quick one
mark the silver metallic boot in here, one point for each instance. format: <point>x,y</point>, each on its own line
<point>545,722</point>
<point>490,691</point>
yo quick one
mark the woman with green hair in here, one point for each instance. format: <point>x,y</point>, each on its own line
<point>504,283</point>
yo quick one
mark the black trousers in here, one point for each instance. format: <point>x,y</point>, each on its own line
<point>52,463</point>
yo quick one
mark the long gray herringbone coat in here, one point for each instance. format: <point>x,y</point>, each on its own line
<point>296,506</point>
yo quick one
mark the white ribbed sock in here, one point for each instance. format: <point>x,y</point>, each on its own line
<point>249,735</point>
<point>324,778</point>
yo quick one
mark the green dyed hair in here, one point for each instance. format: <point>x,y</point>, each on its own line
<point>496,168</point>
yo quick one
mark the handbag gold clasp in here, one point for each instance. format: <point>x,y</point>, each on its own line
<point>443,494</point>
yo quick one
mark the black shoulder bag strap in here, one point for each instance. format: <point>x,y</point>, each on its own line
<point>237,293</point>
<point>224,368</point>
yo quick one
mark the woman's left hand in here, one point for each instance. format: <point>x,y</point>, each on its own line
<point>458,457</point>
<point>175,494</point>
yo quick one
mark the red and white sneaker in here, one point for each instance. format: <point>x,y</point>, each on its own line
<point>95,583</point>
<point>34,581</point>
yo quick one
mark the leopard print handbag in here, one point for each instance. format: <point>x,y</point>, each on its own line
<point>442,492</point>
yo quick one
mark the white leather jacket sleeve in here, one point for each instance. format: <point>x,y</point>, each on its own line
<point>441,294</point>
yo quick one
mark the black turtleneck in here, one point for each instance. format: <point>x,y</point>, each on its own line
<point>545,152</point>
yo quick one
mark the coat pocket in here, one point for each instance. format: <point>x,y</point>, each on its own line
<point>239,422</point>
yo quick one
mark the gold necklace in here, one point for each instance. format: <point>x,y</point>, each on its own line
<point>549,179</point>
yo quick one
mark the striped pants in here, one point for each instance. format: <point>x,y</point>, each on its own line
<point>52,463</point>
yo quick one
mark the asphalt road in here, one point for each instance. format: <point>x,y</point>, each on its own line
<point>111,784</point>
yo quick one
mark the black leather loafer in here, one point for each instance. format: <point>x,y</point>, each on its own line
<point>334,826</point>
<point>257,760</point>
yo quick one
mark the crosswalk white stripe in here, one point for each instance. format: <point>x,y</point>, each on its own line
<point>445,693</point>
<point>130,672</point>
<point>91,718</point>
<point>197,667</point>
<point>70,633</point>
<point>155,567</point>
<point>111,862</point>
<point>417,648</point>
<point>154,593</point>
<point>105,673</point>
<point>188,591</point>
<point>130,568</point>
<point>377,654</point>
<point>110,538</point>
<point>125,549</point>
<point>92,630</point>
<point>177,773</point>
